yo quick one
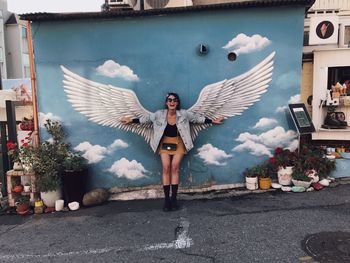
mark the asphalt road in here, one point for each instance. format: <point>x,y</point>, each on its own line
<point>267,227</point>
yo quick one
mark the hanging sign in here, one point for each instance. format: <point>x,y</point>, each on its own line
<point>323,30</point>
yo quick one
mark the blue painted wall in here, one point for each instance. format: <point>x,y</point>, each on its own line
<point>162,53</point>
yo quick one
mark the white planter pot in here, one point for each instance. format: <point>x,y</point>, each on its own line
<point>251,183</point>
<point>285,175</point>
<point>49,198</point>
<point>17,166</point>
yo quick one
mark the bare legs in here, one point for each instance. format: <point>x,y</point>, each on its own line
<point>170,175</point>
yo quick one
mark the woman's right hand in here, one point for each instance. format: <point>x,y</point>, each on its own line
<point>126,120</point>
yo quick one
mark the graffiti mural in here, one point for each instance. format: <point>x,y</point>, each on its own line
<point>100,71</point>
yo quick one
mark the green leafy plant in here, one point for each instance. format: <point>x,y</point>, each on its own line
<point>260,170</point>
<point>313,157</point>
<point>74,162</point>
<point>46,159</point>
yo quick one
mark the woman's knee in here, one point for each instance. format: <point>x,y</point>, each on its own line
<point>166,169</point>
<point>175,167</point>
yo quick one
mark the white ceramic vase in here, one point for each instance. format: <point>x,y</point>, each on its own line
<point>251,183</point>
<point>285,175</point>
<point>17,166</point>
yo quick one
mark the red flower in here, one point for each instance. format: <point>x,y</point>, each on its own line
<point>272,160</point>
<point>11,145</point>
<point>278,150</point>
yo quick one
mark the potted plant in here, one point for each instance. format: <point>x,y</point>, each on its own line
<point>46,161</point>
<point>251,178</point>
<point>74,177</point>
<point>313,162</point>
<point>14,153</point>
<point>299,178</point>
<point>22,204</point>
<point>263,173</point>
<point>283,162</point>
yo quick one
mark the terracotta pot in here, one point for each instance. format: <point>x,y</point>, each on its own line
<point>17,189</point>
<point>265,183</point>
<point>22,208</point>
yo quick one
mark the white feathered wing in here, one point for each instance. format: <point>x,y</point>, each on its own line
<point>107,104</point>
<point>230,97</point>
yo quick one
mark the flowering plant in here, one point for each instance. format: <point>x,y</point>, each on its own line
<point>13,151</point>
<point>313,158</point>
<point>282,158</point>
<point>27,124</point>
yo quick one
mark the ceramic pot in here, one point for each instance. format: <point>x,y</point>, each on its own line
<point>17,166</point>
<point>265,183</point>
<point>304,184</point>
<point>285,175</point>
<point>26,188</point>
<point>49,198</point>
<point>22,208</point>
<point>251,183</point>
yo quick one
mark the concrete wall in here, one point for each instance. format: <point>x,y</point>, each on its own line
<point>156,54</point>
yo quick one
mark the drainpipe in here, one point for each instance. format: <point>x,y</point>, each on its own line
<point>33,82</point>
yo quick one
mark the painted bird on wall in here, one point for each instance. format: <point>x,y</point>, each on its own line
<point>107,104</point>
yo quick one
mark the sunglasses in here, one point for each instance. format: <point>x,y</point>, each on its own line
<point>172,100</point>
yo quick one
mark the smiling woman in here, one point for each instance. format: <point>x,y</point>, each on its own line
<point>32,6</point>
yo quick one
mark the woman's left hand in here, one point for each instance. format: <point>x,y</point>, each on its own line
<point>218,120</point>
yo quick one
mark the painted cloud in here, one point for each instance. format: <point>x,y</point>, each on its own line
<point>293,99</point>
<point>265,122</point>
<point>95,153</point>
<point>288,80</point>
<point>112,69</point>
<point>129,169</point>
<point>264,143</point>
<point>243,44</point>
<point>212,155</point>
<point>43,117</point>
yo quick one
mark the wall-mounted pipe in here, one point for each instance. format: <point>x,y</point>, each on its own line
<point>33,82</point>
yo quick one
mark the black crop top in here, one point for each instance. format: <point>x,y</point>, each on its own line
<point>170,130</point>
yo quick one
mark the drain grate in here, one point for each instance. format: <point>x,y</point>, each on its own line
<point>328,247</point>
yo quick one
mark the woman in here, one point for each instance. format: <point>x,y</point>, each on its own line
<point>172,138</point>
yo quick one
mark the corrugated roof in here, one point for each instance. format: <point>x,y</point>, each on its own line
<point>163,11</point>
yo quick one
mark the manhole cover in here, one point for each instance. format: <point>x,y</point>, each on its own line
<point>330,247</point>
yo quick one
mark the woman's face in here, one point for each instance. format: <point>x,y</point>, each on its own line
<point>171,102</point>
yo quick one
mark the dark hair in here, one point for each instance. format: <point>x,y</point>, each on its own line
<point>176,97</point>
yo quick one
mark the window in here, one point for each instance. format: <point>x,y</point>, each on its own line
<point>26,72</point>
<point>347,36</point>
<point>24,32</point>
<point>338,74</point>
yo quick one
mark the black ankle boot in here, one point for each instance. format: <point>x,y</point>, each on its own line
<point>174,204</point>
<point>167,205</point>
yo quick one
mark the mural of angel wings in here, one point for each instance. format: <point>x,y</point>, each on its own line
<point>107,104</point>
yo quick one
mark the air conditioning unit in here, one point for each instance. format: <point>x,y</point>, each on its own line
<point>113,4</point>
<point>157,4</point>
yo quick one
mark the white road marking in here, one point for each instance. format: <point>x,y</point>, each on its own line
<point>182,241</point>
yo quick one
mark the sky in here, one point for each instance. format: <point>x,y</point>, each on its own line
<point>58,6</point>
